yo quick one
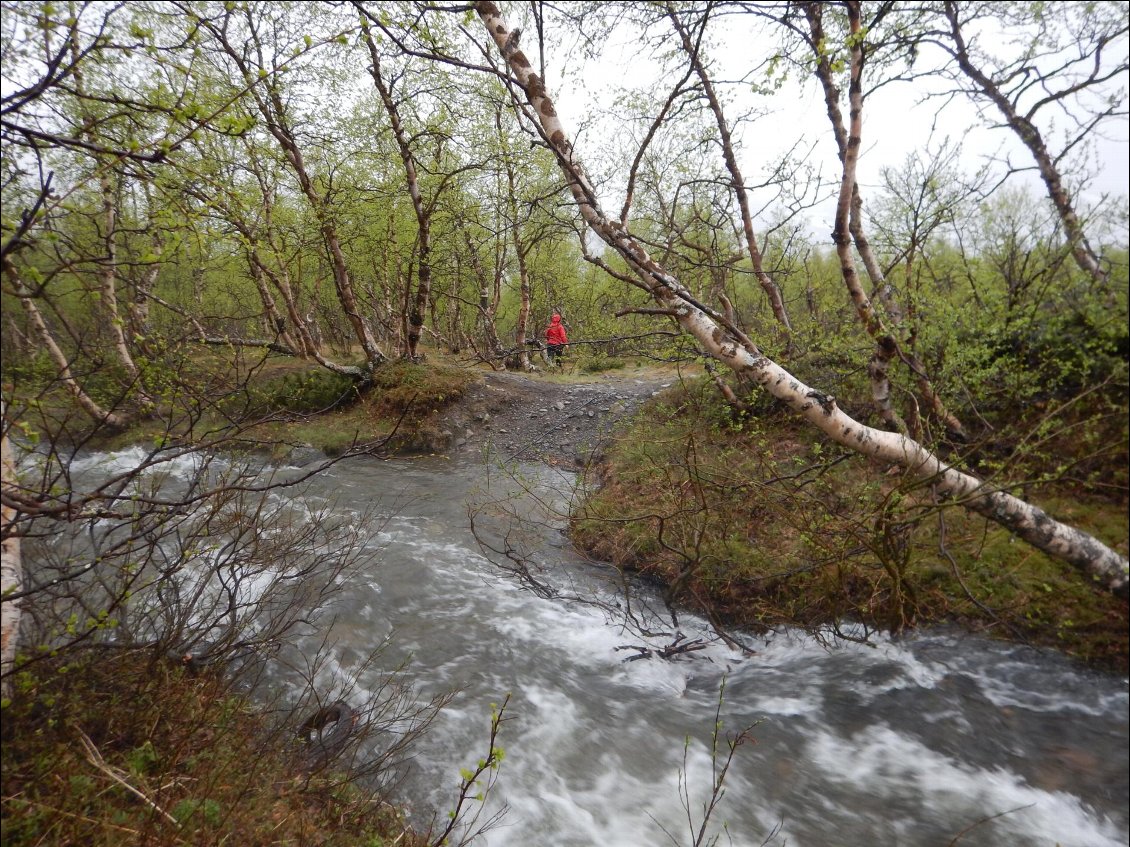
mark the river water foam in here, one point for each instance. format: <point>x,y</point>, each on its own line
<point>912,742</point>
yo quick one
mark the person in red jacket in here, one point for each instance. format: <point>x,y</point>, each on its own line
<point>555,339</point>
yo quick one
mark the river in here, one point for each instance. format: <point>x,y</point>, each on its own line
<point>931,740</point>
<point>936,739</point>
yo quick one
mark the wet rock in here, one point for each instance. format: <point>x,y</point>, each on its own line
<point>305,454</point>
<point>586,456</point>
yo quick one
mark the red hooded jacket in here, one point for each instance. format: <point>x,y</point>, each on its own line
<point>555,332</point>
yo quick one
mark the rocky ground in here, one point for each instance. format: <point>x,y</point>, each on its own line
<point>516,416</point>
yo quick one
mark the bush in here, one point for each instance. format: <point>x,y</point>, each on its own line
<point>756,522</point>
<point>310,391</point>
<point>599,363</point>
<point>112,749</point>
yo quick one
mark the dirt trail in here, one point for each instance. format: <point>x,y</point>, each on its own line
<point>524,417</point>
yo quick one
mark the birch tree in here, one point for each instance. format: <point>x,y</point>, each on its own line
<point>848,231</point>
<point>63,130</point>
<point>240,38</point>
<point>11,564</point>
<point>732,347</point>
<point>1055,78</point>
<point>692,47</point>
<point>422,210</point>
<point>434,102</point>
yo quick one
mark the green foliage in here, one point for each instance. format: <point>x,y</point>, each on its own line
<point>307,391</point>
<point>600,363</point>
<point>208,810</point>
<point>1058,350</point>
<point>30,374</point>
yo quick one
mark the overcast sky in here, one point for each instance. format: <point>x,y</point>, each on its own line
<point>896,123</point>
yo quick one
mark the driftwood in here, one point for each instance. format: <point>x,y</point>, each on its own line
<point>680,646</point>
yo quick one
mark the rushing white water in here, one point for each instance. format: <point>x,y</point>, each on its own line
<point>932,740</point>
<point>913,742</point>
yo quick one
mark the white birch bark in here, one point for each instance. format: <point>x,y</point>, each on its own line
<point>11,567</point>
<point>740,354</point>
<point>63,365</point>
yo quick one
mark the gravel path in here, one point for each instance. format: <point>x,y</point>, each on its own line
<point>521,417</point>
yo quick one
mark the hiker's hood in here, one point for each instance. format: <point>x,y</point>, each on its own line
<point>556,319</point>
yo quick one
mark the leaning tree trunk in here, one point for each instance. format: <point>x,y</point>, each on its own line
<point>730,346</point>
<point>276,324</point>
<point>35,318</point>
<point>11,567</point>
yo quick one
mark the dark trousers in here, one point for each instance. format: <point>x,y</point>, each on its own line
<point>555,352</point>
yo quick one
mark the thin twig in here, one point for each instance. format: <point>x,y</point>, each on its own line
<point>95,758</point>
<point>988,819</point>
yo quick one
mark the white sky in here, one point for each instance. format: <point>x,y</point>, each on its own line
<point>895,123</point>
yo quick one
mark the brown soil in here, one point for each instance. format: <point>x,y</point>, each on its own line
<point>519,416</point>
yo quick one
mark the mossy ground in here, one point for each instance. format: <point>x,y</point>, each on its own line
<point>756,522</point>
<point>268,403</point>
<point>111,749</point>
<point>399,411</point>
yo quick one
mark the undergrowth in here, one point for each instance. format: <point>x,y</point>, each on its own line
<point>104,750</point>
<point>757,522</point>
